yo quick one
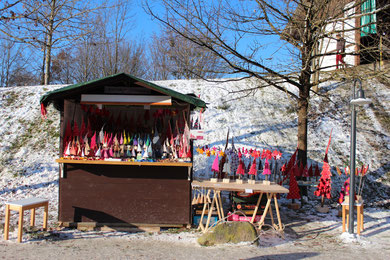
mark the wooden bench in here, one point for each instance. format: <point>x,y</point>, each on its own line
<point>21,206</point>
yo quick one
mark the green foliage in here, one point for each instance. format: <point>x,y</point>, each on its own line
<point>11,97</point>
<point>42,132</point>
<point>224,106</point>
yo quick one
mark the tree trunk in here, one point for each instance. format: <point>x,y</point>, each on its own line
<point>48,58</point>
<point>49,43</point>
<point>303,107</point>
<point>47,61</point>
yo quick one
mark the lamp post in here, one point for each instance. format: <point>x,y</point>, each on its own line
<point>357,100</point>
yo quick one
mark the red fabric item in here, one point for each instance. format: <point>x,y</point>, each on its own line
<point>89,129</point>
<point>276,155</point>
<point>293,192</point>
<point>93,142</point>
<point>291,162</point>
<point>317,171</point>
<point>324,187</point>
<point>330,138</point>
<point>305,172</point>
<point>266,170</point>
<point>268,154</point>
<point>83,130</point>
<point>76,131</point>
<point>67,135</point>
<point>43,111</point>
<point>310,171</point>
<point>241,168</point>
<point>283,169</point>
<point>253,169</point>
<point>339,59</point>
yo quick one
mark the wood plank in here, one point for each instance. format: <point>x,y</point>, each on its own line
<point>117,226</point>
<point>257,207</point>
<point>20,227</point>
<point>103,162</point>
<point>6,224</point>
<point>277,212</point>
<point>32,220</point>
<point>204,210</point>
<point>28,201</point>
<point>273,188</point>
<point>209,214</point>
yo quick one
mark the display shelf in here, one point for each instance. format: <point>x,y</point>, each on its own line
<point>105,162</point>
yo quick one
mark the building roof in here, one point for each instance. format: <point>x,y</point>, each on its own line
<point>57,96</point>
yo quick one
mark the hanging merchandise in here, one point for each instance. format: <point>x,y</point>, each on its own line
<point>227,167</point>
<point>196,125</point>
<point>234,159</point>
<point>111,135</point>
<point>266,170</point>
<point>253,171</point>
<point>241,166</point>
<point>215,166</point>
<point>242,161</point>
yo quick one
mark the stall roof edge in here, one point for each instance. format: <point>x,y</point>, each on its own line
<point>60,93</point>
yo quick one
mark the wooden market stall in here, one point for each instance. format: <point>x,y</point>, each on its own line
<point>125,153</point>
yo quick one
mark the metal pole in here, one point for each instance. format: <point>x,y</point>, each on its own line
<point>352,167</point>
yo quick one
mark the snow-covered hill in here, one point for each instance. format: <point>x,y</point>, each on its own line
<point>263,119</point>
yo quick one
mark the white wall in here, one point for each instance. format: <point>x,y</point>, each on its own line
<point>328,45</point>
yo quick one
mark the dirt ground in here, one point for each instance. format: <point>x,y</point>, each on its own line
<point>313,236</point>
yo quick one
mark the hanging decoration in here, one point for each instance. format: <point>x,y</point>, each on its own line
<point>111,135</point>
<point>242,163</point>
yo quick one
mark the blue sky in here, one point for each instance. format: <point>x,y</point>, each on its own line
<point>144,27</point>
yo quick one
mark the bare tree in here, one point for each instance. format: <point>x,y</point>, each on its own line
<point>62,67</point>
<point>238,33</point>
<point>50,24</point>
<point>13,10</point>
<point>160,63</point>
<point>107,50</point>
<point>14,58</point>
<point>174,56</point>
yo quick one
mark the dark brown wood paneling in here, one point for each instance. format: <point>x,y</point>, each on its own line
<point>125,194</point>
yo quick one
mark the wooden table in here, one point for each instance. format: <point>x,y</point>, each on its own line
<point>21,206</point>
<point>270,190</point>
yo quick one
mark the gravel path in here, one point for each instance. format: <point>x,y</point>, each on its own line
<point>313,236</point>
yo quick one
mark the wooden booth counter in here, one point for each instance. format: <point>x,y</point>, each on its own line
<point>124,192</point>
<point>122,116</point>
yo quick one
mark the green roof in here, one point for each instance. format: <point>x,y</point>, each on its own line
<point>60,94</point>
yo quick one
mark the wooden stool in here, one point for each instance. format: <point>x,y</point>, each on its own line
<point>21,206</point>
<point>359,213</point>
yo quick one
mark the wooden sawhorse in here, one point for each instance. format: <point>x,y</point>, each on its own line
<point>21,206</point>
<point>268,208</point>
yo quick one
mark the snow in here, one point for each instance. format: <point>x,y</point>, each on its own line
<point>264,119</point>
